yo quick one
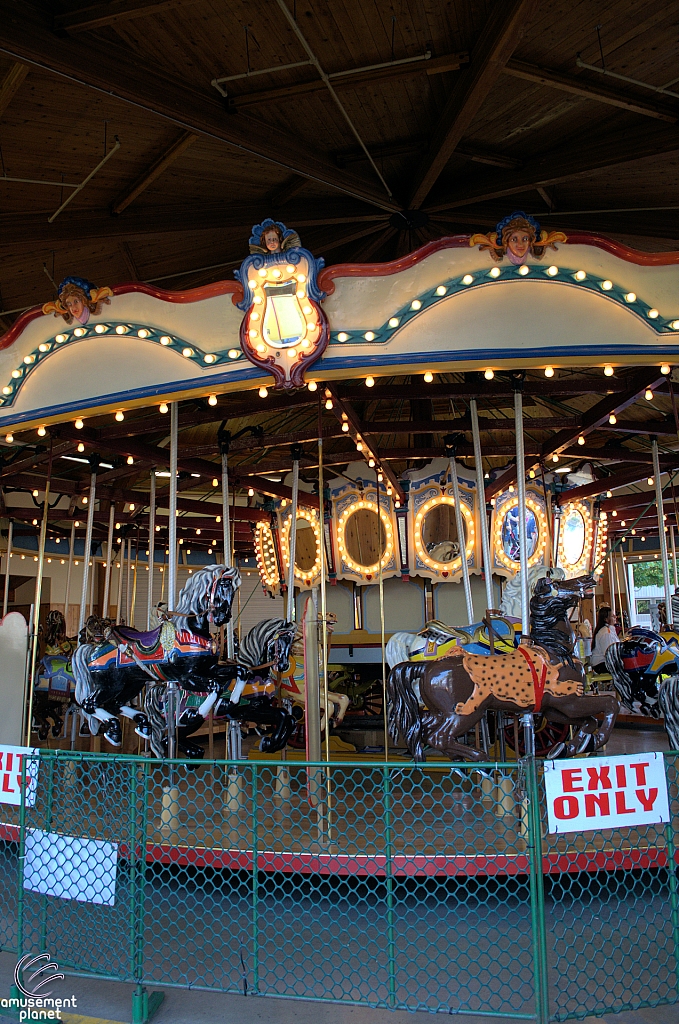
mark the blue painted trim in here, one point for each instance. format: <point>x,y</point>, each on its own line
<point>504,275</point>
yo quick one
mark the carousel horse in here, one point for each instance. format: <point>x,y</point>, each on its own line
<point>434,704</point>
<point>293,685</point>
<point>111,672</point>
<point>246,693</point>
<point>54,684</point>
<point>637,664</point>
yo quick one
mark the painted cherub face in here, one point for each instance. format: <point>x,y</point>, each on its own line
<point>271,240</point>
<point>518,244</point>
<point>75,305</point>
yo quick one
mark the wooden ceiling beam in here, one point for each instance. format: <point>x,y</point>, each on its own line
<point>608,483</point>
<point>612,453</point>
<point>345,413</point>
<point>11,84</point>
<point>499,38</point>
<point>156,168</point>
<point>577,85</point>
<point>94,16</point>
<point>25,36</point>
<point>482,389</point>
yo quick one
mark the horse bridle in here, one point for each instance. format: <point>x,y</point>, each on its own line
<point>211,591</point>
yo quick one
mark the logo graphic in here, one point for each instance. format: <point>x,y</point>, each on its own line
<point>47,970</point>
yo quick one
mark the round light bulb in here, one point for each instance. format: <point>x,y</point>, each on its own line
<point>580,275</point>
<point>608,370</point>
<point>312,385</point>
<point>581,439</point>
<point>631,297</point>
<point>79,424</point>
<point>130,460</point>
<point>489,374</point>
<point>428,377</point>
<point>555,458</point>
<point>612,419</point>
<point>263,392</point>
<point>549,371</point>
<point>81,447</point>
<point>162,408</point>
<point>212,400</point>
<point>41,431</point>
<point>665,368</point>
<point>251,492</point>
<point>467,279</point>
<point>369,382</point>
<point>120,416</point>
<point>495,272</point>
<point>648,395</point>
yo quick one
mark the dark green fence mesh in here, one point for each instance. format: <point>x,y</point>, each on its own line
<point>419,887</point>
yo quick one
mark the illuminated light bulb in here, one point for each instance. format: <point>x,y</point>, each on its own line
<point>79,331</point>
<point>60,338</point>
<point>262,271</point>
<point>212,400</point>
<point>81,447</point>
<point>187,352</point>
<point>209,358</point>
<point>215,482</point>
<point>531,474</point>
<point>16,374</point>
<point>606,285</point>
<point>494,272</point>
<point>416,304</point>
<point>165,340</point>
<point>79,424</point>
<point>397,504</point>
<point>614,513</point>
<point>648,395</point>
<point>623,522</point>
<point>489,374</point>
<point>634,533</point>
<point>289,269</point>
<point>580,275</point>
<point>117,526</point>
<point>608,370</point>
<point>328,403</point>
<point>84,499</point>
<point>555,458</point>
<point>552,271</point>
<point>394,321</point>
<point>43,347</point>
<point>345,428</point>
<point>549,371</point>
<point>142,333</point>
<point>581,439</point>
<point>132,507</point>
<point>301,278</point>
<point>428,377</point>
<point>120,416</point>
<point>609,494</point>
<point>312,385</point>
<point>162,408</point>
<point>157,529</point>
<point>511,488</point>
<point>630,297</point>
<point>120,329</point>
<point>342,336</point>
<point>650,481</point>
<point>6,390</point>
<point>370,382</point>
<point>130,460</point>
<point>234,353</point>
<point>665,368</point>
<point>524,270</point>
<point>643,539</point>
<point>41,431</point>
<point>263,392</point>
<point>276,273</point>
<point>307,310</point>
<point>467,279</point>
<point>209,551</point>
<point>251,492</point>
<point>371,463</point>
<point>101,328</point>
<point>359,446</point>
<point>63,561</point>
<point>258,300</point>
<point>292,352</point>
<point>653,314</point>
<point>612,419</point>
<point>380,478</point>
<point>218,519</point>
<point>674,324</point>
<point>261,348</point>
<point>369,336</point>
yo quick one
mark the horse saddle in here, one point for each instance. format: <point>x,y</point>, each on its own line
<point>143,643</point>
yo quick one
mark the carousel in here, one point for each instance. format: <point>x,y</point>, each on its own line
<point>364,512</point>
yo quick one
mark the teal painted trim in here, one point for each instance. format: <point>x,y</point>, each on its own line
<point>503,275</point>
<point>124,329</point>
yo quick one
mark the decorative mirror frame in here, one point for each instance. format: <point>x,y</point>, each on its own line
<point>454,567</point>
<point>507,500</point>
<point>265,553</point>
<point>344,510</point>
<point>429,486</point>
<point>582,564</point>
<point>303,580</point>
<point>601,539</point>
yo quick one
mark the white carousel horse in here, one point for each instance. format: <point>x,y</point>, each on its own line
<point>292,682</point>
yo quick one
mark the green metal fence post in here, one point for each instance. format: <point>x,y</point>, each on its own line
<point>537,894</point>
<point>672,880</point>
<point>48,828</point>
<point>14,991</point>
<point>255,884</point>
<point>388,839</point>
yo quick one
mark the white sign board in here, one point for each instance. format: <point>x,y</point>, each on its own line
<point>70,867</point>
<point>591,793</point>
<point>10,774</point>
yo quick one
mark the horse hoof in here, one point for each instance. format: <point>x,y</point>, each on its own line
<point>584,743</point>
<point>556,750</point>
<point>144,733</point>
<point>113,733</point>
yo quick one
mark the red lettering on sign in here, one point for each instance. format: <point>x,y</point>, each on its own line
<point>594,801</point>
<point>569,776</point>
<point>620,805</point>
<point>599,777</point>
<point>5,784</point>
<point>620,776</point>
<point>640,769</point>
<point>647,801</point>
<point>566,807</point>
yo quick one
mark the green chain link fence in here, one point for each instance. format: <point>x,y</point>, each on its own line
<point>415,887</point>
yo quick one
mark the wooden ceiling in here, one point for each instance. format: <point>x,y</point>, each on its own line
<point>400,123</point>
<point>365,165</point>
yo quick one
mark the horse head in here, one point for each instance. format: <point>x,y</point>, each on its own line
<point>224,586</point>
<point>207,597</point>
<point>280,645</point>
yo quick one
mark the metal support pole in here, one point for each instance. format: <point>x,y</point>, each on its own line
<point>224,438</point>
<point>119,605</point>
<point>128,585</point>
<point>84,594</point>
<point>611,578</point>
<point>383,645</point>
<point>8,555</point>
<point>623,567</point>
<point>481,499</point>
<point>292,536</point>
<point>521,489</point>
<point>461,539</point>
<point>324,606</point>
<point>71,553</point>
<point>152,547</point>
<point>109,560</point>
<point>172,544</point>
<point>661,533</point>
<point>674,560</point>
<point>36,604</point>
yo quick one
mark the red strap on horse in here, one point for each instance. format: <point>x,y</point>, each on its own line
<point>538,684</point>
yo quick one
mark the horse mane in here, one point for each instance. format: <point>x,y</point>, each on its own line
<point>193,598</point>
<point>545,611</point>
<point>254,645</point>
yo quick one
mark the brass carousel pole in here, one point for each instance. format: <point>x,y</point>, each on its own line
<point>324,616</point>
<point>449,442</point>
<point>121,570</point>
<point>527,719</point>
<point>69,572</point>
<point>295,452</point>
<point>172,699</point>
<point>661,533</point>
<point>36,601</point>
<point>109,561</point>
<point>8,555</point>
<point>85,592</point>
<point>383,645</point>
<point>152,547</point>
<point>481,498</point>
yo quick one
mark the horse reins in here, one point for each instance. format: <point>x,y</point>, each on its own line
<point>538,684</point>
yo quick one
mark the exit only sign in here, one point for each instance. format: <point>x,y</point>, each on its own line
<point>591,793</point>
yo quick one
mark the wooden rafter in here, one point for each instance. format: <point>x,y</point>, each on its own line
<point>495,46</point>
<point>608,483</point>
<point>147,177</point>
<point>11,84</point>
<point>94,16</point>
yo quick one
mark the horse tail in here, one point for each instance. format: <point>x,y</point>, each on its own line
<point>155,712</point>
<point>622,681</point>
<point>84,683</point>
<point>668,698</point>
<point>398,648</point>
<point>404,707</point>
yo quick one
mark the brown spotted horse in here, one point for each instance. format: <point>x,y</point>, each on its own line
<point>433,704</point>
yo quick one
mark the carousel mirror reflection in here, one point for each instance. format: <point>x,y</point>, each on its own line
<point>365,537</point>
<point>439,534</point>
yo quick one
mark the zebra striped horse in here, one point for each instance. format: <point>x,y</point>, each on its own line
<point>246,693</point>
